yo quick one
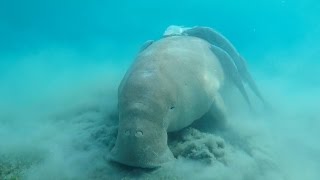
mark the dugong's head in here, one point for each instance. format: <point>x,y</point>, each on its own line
<point>143,122</point>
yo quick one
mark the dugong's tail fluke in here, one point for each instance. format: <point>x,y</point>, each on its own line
<point>230,70</point>
<point>217,39</point>
<point>250,81</point>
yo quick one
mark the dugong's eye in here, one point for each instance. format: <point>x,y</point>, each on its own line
<point>138,133</point>
<point>171,107</point>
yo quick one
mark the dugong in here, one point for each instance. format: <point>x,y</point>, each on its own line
<point>218,40</point>
<point>173,82</point>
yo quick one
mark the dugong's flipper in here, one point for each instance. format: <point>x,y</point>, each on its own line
<point>218,111</point>
<point>230,70</point>
<point>215,118</point>
<point>217,39</point>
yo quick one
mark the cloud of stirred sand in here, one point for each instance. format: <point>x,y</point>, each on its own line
<point>56,122</point>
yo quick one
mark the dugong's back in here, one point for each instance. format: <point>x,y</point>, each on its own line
<point>171,84</point>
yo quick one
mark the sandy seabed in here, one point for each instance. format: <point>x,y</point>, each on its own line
<point>63,127</point>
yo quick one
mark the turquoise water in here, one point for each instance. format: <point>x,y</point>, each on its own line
<point>61,63</point>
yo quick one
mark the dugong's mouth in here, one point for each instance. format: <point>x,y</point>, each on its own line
<point>141,161</point>
<point>141,148</point>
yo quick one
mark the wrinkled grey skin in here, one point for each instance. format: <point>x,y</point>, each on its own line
<point>173,82</point>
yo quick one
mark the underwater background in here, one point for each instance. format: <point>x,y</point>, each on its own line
<point>61,63</point>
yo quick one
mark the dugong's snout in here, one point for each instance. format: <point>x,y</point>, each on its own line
<point>141,147</point>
